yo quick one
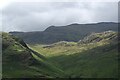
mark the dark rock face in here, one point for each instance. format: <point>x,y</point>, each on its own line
<point>14,49</point>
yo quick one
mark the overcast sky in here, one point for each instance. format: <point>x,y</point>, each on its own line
<point>37,16</point>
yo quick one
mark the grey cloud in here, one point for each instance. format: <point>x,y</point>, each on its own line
<point>32,16</point>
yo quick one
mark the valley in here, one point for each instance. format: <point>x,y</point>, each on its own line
<point>94,56</point>
<point>84,59</point>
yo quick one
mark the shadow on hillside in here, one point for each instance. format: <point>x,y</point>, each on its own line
<point>99,62</point>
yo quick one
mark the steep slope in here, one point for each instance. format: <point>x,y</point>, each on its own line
<point>73,32</point>
<point>21,62</point>
<point>96,56</point>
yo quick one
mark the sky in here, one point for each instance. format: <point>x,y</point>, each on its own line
<point>36,15</point>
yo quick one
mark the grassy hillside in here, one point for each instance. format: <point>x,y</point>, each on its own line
<point>72,32</point>
<point>93,57</point>
<point>21,62</point>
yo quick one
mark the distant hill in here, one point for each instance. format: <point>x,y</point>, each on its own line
<point>73,32</point>
<point>102,36</point>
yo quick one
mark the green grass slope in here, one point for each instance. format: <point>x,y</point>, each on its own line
<point>21,62</point>
<point>96,56</point>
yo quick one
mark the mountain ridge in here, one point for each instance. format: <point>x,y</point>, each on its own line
<point>72,32</point>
